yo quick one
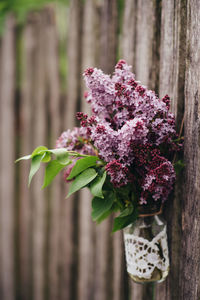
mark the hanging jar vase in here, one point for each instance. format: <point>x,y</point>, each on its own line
<point>146,246</point>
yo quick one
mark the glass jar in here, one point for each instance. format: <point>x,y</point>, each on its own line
<point>146,248</point>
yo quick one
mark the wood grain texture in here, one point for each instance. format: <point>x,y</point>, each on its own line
<point>190,263</point>
<point>55,195</point>
<point>173,33</point>
<point>173,44</point>
<point>69,207</point>
<point>147,42</point>
<point>73,62</point>
<point>86,252</point>
<point>119,289</point>
<point>146,68</point>
<point>128,38</point>
<point>86,248</point>
<point>7,136</point>
<point>108,35</point>
<point>39,136</point>
<point>103,263</point>
<point>26,146</point>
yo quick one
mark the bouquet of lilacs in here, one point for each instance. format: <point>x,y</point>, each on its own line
<point>123,152</point>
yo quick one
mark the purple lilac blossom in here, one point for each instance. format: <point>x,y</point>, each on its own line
<point>76,140</point>
<point>105,140</point>
<point>128,127</point>
<point>101,95</point>
<point>118,173</point>
<point>159,181</point>
<point>134,119</point>
<point>132,130</point>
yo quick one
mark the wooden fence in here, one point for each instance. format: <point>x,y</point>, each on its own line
<point>49,247</point>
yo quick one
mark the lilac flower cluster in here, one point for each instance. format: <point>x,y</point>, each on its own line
<point>129,128</point>
<point>76,140</point>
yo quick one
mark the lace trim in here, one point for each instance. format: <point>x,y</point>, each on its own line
<point>143,256</point>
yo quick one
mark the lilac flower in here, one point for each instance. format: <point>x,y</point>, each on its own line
<point>159,179</point>
<point>118,173</point>
<point>102,91</point>
<point>162,129</point>
<point>76,140</point>
<point>132,130</point>
<point>104,138</point>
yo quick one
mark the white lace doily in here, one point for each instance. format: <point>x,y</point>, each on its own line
<point>143,256</point>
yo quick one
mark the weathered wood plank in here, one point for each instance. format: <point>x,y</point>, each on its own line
<point>128,50</point>
<point>74,62</point>
<point>108,35</point>
<point>144,35</point>
<point>104,241</point>
<point>7,180</point>
<point>86,226</point>
<point>190,263</point>
<point>173,34</point>
<point>69,209</point>
<point>86,248</point>
<point>128,39</point>
<point>89,41</point>
<point>173,31</point>
<point>39,123</point>
<point>103,265</point>
<point>54,192</point>
<point>118,267</point>
<point>147,42</point>
<point>26,146</point>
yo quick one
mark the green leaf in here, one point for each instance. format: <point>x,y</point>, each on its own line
<point>114,208</point>
<point>121,222</point>
<point>82,180</point>
<point>178,167</point>
<point>126,212</point>
<point>23,158</point>
<point>62,155</point>
<point>96,186</point>
<point>39,150</point>
<point>52,169</point>
<point>35,165</point>
<point>81,165</point>
<point>47,157</point>
<point>101,206</point>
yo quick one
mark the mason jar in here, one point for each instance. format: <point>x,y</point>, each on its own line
<point>146,247</point>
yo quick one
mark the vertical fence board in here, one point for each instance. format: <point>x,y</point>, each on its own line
<point>86,227</point>
<point>7,135</point>
<point>39,138</point>
<point>190,263</point>
<point>147,42</point>
<point>144,36</point>
<point>55,194</point>
<point>74,62</point>
<point>26,146</point>
<point>172,76</point>
<point>128,38</point>
<point>128,48</point>
<point>86,248</point>
<point>104,241</point>
<point>119,292</point>
<point>146,68</point>
<point>173,34</point>
<point>69,218</point>
<point>108,35</point>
